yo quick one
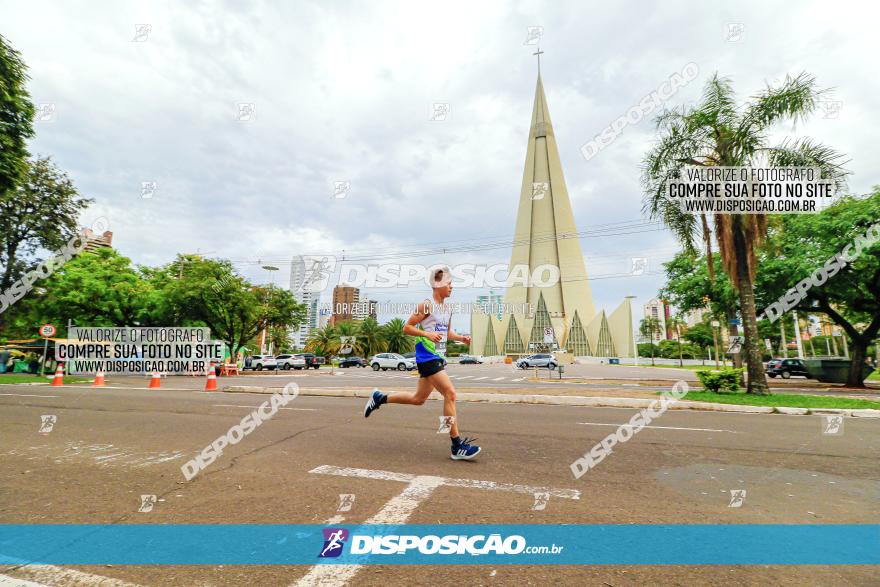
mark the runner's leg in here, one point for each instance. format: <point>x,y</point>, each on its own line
<point>441,382</point>
<point>417,398</point>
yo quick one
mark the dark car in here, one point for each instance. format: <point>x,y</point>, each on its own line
<point>313,361</point>
<point>469,360</point>
<point>352,362</point>
<point>788,367</point>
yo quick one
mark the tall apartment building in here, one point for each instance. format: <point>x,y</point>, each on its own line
<point>96,241</point>
<point>346,299</point>
<point>657,309</point>
<point>303,294</point>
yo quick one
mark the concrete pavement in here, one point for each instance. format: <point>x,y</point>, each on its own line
<point>109,446</point>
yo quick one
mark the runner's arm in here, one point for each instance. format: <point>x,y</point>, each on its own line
<point>411,327</point>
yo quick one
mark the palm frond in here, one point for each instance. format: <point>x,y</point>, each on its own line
<point>794,100</point>
<point>808,153</point>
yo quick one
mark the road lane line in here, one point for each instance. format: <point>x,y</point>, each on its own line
<point>255,407</point>
<point>400,507</point>
<point>660,427</point>
<point>498,379</point>
<point>44,575</point>
<point>396,511</point>
<point>479,378</point>
<point>29,395</point>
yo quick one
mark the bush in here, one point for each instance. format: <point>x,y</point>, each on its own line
<point>721,381</point>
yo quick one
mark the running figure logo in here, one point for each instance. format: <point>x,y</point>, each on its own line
<point>334,540</point>
<point>47,423</point>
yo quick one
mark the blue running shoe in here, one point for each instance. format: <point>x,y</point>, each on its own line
<point>377,399</point>
<point>464,450</point>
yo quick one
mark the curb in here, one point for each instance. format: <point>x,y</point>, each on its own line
<point>583,401</point>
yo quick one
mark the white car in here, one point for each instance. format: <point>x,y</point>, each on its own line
<point>387,361</point>
<point>260,362</point>
<point>285,362</point>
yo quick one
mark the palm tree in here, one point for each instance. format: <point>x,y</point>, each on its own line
<point>677,323</point>
<point>650,327</point>
<point>370,337</point>
<point>323,341</point>
<point>349,329</point>
<point>395,340</point>
<point>718,133</point>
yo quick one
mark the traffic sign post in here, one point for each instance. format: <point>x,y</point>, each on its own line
<point>46,331</point>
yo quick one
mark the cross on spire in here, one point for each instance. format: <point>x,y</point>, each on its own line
<point>539,53</point>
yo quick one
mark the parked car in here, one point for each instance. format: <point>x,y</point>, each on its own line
<point>469,360</point>
<point>538,360</point>
<point>409,356</point>
<point>285,362</point>
<point>260,362</point>
<point>788,367</point>
<point>771,363</point>
<point>311,360</point>
<point>387,361</point>
<point>352,362</point>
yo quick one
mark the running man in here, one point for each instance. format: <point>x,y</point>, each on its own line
<point>431,325</point>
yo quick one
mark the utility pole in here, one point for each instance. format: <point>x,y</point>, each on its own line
<point>797,332</point>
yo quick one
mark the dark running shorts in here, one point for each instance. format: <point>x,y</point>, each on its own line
<point>429,368</point>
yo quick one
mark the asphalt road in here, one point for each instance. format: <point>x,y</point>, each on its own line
<point>110,446</point>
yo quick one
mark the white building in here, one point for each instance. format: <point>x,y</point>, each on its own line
<point>302,293</point>
<point>657,309</point>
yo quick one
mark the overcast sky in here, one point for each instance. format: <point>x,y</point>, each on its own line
<point>343,91</point>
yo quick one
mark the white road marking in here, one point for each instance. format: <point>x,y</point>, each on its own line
<point>467,377</point>
<point>498,379</point>
<point>479,378</point>
<point>520,379</point>
<point>400,507</point>
<point>660,427</point>
<point>52,575</point>
<point>255,407</point>
<point>29,395</point>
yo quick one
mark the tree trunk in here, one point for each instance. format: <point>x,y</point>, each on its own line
<point>757,383</point>
<point>707,238</point>
<point>859,351</point>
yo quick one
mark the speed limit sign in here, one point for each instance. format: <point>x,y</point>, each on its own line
<point>47,330</point>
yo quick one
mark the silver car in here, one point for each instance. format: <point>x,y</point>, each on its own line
<point>387,361</point>
<point>538,360</point>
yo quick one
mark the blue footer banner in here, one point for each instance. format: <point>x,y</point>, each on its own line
<point>495,544</point>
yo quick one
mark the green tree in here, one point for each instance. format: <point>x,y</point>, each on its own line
<point>649,328</point>
<point>678,324</point>
<point>16,119</point>
<point>323,341</point>
<point>96,289</point>
<point>370,337</point>
<point>349,328</point>
<point>41,213</point>
<point>700,335</point>
<point>395,340</point>
<point>208,291</point>
<point>717,132</point>
<point>802,244</point>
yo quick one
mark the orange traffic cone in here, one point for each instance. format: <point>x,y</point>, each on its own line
<point>211,383</point>
<point>99,379</point>
<point>155,381</point>
<point>58,380</point>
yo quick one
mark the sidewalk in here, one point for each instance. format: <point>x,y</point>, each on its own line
<point>630,400</point>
